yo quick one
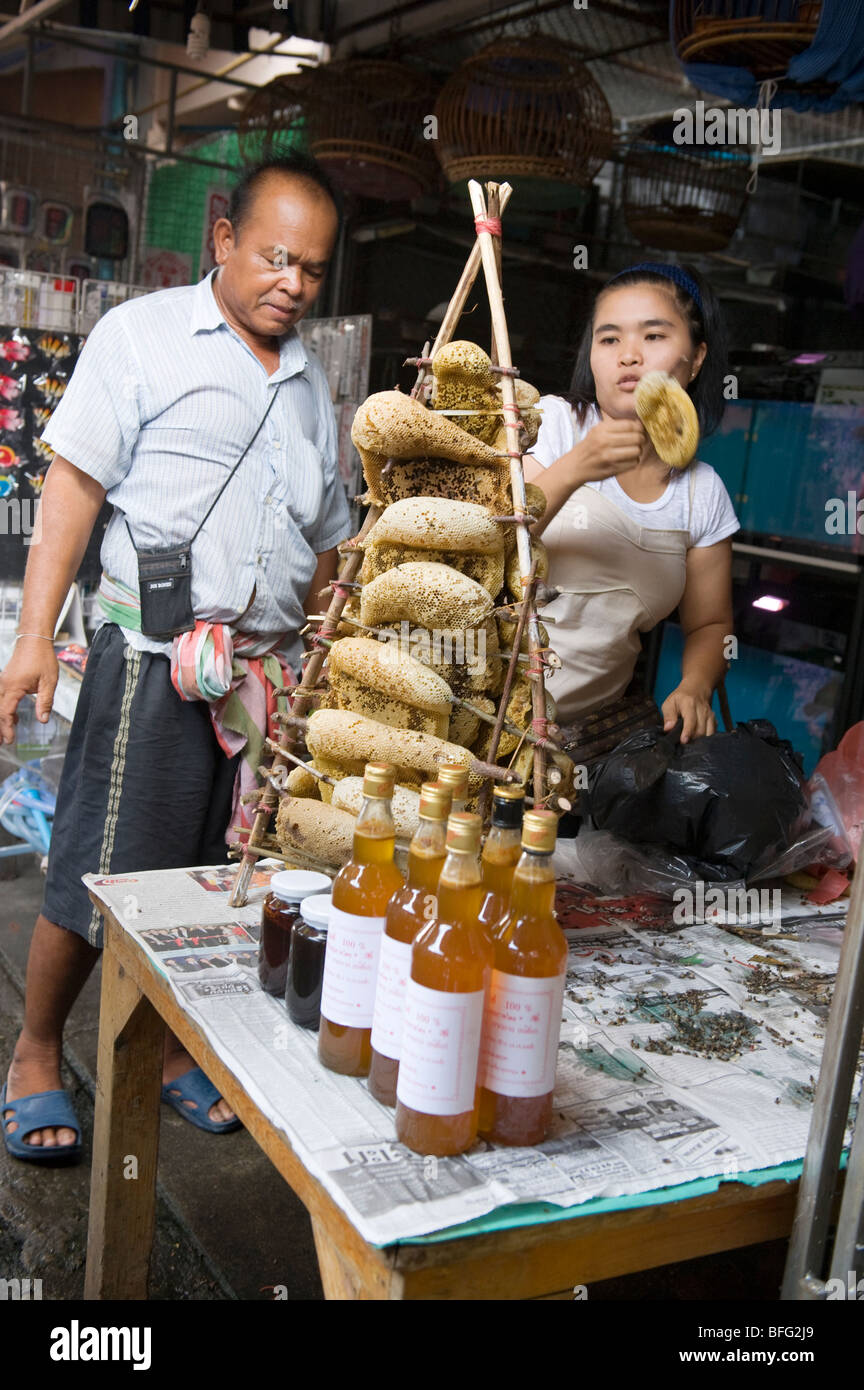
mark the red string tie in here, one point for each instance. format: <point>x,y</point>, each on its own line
<point>492,225</point>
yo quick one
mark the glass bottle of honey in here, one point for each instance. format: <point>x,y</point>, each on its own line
<point>361,892</point>
<point>522,1022</point>
<point>410,909</point>
<point>451,963</point>
<point>501,853</point>
<point>454,776</point>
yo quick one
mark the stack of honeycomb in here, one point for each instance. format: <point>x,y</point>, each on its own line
<point>422,651</point>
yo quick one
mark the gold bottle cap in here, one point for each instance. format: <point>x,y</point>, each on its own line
<point>509,791</point>
<point>539,831</point>
<point>434,801</point>
<point>508,803</point>
<point>463,832</point>
<point>379,780</point>
<point>454,776</point>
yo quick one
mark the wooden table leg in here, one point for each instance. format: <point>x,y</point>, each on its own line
<point>356,1273</point>
<point>125,1137</point>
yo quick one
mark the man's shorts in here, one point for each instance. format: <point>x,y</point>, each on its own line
<point>145,784</point>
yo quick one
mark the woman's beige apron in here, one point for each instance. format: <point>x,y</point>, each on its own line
<point>625,578</point>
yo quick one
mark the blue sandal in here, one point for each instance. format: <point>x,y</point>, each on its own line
<point>43,1110</point>
<point>194,1085</point>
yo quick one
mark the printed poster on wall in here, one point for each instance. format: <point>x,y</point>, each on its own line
<point>215,206</point>
<point>162,268</point>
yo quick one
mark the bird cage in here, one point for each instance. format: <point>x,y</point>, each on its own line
<point>529,107</point>
<point>272,120</point>
<point>762,36</point>
<point>683,198</point>
<point>364,123</point>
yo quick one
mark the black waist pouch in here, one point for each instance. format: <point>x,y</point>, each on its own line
<point>165,587</point>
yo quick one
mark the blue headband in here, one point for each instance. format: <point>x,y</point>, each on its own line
<point>669,272</point>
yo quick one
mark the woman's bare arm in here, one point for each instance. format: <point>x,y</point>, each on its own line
<point>706,620</point>
<point>609,447</point>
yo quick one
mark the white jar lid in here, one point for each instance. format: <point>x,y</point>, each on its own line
<point>316,911</point>
<point>292,885</point>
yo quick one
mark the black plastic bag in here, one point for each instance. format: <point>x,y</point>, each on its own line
<point>726,802</point>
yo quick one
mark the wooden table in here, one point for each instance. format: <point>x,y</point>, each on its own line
<point>540,1261</point>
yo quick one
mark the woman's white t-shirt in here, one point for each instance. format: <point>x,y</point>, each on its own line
<point>712,518</point>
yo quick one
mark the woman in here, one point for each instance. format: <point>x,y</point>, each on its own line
<point>628,538</point>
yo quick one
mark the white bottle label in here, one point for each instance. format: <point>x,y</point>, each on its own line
<point>351,968</point>
<point>394,967</point>
<point>521,1028</point>
<point>440,1050</point>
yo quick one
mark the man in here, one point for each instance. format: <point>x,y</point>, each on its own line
<point>167,394</point>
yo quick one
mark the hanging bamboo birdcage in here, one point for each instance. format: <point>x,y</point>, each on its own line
<point>272,122</point>
<point>683,198</point>
<point>524,106</point>
<point>762,36</point>
<point>364,123</point>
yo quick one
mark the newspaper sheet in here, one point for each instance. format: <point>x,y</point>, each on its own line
<point>686,1052</point>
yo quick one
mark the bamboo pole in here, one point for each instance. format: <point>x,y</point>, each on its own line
<point>288,738</point>
<point>457,303</point>
<point>493,204</point>
<point>517,481</point>
<point>508,684</point>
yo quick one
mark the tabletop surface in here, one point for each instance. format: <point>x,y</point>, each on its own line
<point>688,1057</point>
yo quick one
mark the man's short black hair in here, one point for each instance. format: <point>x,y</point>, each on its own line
<point>295,164</point>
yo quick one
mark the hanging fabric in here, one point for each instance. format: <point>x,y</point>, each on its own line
<point>835,58</point>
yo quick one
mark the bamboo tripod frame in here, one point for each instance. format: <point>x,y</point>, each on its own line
<point>486,252</point>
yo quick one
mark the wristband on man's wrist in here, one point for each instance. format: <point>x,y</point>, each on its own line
<point>40,635</point>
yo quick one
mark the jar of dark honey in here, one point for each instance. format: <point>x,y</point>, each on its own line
<point>279,914</point>
<point>306,962</point>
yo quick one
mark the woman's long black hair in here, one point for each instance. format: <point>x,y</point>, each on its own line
<point>706,391</point>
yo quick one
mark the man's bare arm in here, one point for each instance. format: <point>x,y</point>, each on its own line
<point>68,509</point>
<point>325,571</point>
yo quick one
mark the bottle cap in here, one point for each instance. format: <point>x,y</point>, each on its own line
<point>508,803</point>
<point>379,779</point>
<point>293,885</point>
<point>454,776</point>
<point>463,832</point>
<point>434,801</point>
<point>316,911</point>
<point>539,831</point>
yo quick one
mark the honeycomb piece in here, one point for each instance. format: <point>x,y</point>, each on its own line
<point>425,594</point>
<point>343,743</point>
<point>440,530</point>
<point>390,425</point>
<point>382,680</point>
<point>348,796</point>
<point>514,580</point>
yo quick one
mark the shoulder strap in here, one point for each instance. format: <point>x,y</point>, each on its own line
<point>230,475</point>
<point>239,461</point>
<point>690,506</point>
